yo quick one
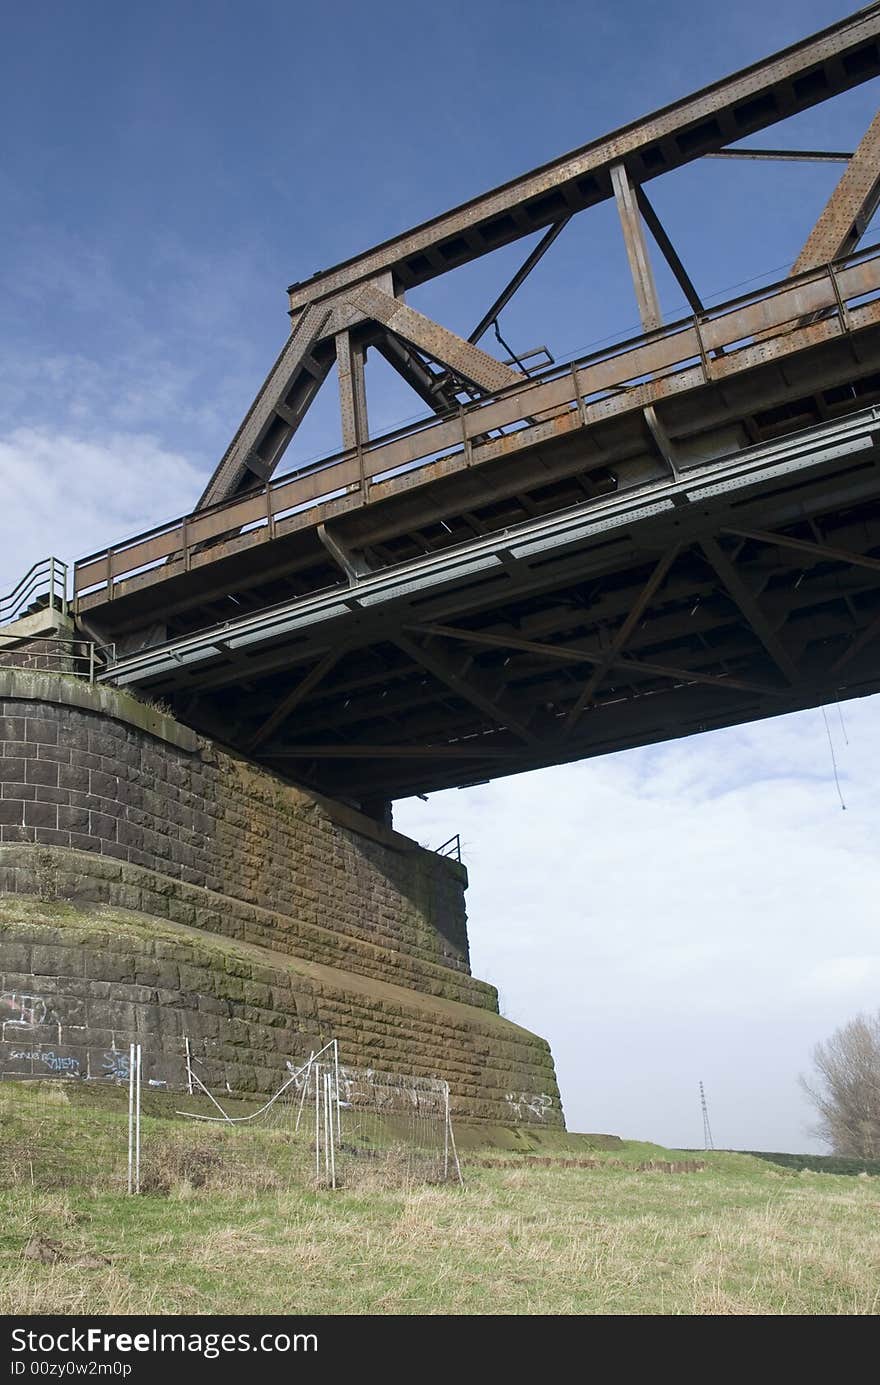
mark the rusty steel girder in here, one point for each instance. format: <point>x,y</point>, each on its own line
<point>819,67</point>
<point>359,303</point>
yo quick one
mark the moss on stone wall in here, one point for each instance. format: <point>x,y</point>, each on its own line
<point>78,985</point>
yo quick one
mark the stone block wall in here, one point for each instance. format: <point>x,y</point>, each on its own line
<point>106,802</point>
<point>77,987</point>
<point>78,770</point>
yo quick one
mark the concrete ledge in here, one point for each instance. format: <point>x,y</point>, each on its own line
<point>86,878</point>
<point>40,624</point>
<point>66,690</point>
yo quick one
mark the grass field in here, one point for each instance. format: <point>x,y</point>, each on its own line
<point>738,1237</point>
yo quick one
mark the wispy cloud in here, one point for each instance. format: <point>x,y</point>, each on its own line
<point>673,914</point>
<point>65,495</point>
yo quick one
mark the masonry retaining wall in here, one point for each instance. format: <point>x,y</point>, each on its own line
<point>107,802</point>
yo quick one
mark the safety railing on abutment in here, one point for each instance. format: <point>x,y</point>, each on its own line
<point>47,648</point>
<point>62,653</point>
<point>45,585</point>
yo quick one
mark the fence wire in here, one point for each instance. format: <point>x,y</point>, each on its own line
<point>327,1124</point>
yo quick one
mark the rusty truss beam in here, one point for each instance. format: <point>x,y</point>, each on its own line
<point>849,208</point>
<point>819,67</point>
<point>563,402</point>
<point>359,304</point>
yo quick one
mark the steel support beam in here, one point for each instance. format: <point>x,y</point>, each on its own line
<point>275,414</point>
<point>819,552</point>
<point>435,392</point>
<point>352,564</point>
<point>288,704</point>
<point>870,633</point>
<point>849,208</point>
<point>462,358</point>
<point>352,391</point>
<point>518,280</point>
<point>360,751</point>
<point>438,665</point>
<point>813,156</point>
<point>621,638</point>
<point>750,609</point>
<point>574,654</point>
<point>668,251</point>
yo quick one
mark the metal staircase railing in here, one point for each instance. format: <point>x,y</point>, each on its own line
<point>43,586</point>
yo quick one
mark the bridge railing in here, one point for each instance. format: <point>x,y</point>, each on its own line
<point>450,848</point>
<point>44,585</point>
<point>56,654</point>
<point>768,323</point>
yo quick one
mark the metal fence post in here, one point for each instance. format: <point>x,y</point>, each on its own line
<point>446,1133</point>
<point>131,1118</point>
<point>338,1105</point>
<point>137,1122</point>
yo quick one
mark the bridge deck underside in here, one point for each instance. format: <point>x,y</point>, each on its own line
<point>536,672</point>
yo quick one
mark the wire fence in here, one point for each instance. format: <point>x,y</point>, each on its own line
<point>327,1125</point>
<point>359,1124</point>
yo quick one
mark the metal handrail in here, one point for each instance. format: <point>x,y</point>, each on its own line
<point>450,849</point>
<point>57,654</point>
<point>47,578</point>
<point>773,310</point>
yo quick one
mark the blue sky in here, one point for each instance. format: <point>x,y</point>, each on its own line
<point>166,171</point>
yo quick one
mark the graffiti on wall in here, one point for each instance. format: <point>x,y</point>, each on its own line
<point>525,1106</point>
<point>19,1010</point>
<point>55,1062</point>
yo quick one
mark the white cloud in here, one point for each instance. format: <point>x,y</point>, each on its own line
<point>65,495</point>
<point>842,976</point>
<point>697,910</point>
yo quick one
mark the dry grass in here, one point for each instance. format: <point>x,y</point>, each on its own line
<point>738,1238</point>
<point>228,1223</point>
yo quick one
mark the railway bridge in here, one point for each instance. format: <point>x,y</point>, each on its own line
<point>557,560</point>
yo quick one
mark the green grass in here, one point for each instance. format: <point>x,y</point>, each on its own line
<point>821,1163</point>
<point>740,1237</point>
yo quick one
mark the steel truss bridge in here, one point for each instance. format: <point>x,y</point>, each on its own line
<point>677,533</point>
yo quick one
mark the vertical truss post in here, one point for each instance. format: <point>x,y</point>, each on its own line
<point>636,248</point>
<point>352,390</point>
<point>350,360</point>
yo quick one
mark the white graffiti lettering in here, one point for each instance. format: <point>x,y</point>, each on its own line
<point>526,1106</point>
<point>56,1062</point>
<point>30,1011</point>
<point>115,1065</point>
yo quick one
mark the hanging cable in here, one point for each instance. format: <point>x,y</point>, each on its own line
<point>833,760</point>
<point>840,714</point>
